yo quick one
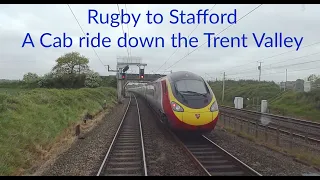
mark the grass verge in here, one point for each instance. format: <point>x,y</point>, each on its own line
<point>302,105</point>
<point>12,91</point>
<point>32,121</point>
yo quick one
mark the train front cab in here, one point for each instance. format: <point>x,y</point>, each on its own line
<point>187,109</point>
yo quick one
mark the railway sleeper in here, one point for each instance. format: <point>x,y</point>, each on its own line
<point>128,135</point>
<point>232,173</point>
<point>128,145</point>
<point>206,157</point>
<point>196,149</point>
<point>208,162</point>
<point>119,154</point>
<point>125,159</point>
<point>213,168</point>
<point>124,150</point>
<point>205,153</point>
<point>127,138</point>
<point>125,165</point>
<point>124,170</point>
<point>124,174</point>
<point>120,148</point>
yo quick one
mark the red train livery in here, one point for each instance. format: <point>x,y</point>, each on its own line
<point>184,101</point>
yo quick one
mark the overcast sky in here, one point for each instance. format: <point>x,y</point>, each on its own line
<point>292,20</point>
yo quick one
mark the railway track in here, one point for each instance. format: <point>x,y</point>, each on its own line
<point>213,159</point>
<point>287,125</point>
<point>126,154</point>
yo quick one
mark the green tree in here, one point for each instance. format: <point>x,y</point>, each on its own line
<point>30,77</point>
<point>46,81</point>
<point>92,80</point>
<point>312,77</point>
<point>71,63</point>
<point>113,82</point>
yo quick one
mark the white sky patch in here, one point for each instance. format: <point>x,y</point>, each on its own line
<point>292,20</point>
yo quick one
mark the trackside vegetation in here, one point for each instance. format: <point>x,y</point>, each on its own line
<point>36,111</point>
<point>304,105</point>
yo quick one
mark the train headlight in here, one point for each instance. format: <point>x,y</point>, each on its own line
<point>176,107</point>
<point>214,107</point>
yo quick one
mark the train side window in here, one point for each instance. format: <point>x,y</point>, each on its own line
<point>149,90</point>
<point>158,90</point>
<point>164,87</point>
<point>152,90</point>
<point>155,90</point>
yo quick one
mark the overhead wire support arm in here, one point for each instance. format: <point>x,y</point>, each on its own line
<point>109,70</point>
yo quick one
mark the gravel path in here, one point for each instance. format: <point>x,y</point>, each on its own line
<point>85,155</point>
<point>263,160</point>
<point>164,156</point>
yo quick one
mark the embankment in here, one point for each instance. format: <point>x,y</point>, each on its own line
<point>31,122</point>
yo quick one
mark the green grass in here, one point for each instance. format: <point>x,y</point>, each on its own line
<point>300,105</point>
<point>36,117</point>
<point>12,91</point>
<point>246,89</point>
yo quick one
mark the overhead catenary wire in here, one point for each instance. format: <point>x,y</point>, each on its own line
<point>293,58</point>
<point>277,67</point>
<point>269,57</point>
<point>250,69</point>
<point>188,37</point>
<point>267,74</point>
<point>215,36</point>
<point>130,49</point>
<point>75,17</point>
<point>123,30</point>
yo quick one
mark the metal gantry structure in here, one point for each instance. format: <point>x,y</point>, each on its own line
<point>123,63</point>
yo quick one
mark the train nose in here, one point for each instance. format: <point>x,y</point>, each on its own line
<point>197,118</point>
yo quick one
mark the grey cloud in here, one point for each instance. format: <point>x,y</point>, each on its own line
<point>292,20</point>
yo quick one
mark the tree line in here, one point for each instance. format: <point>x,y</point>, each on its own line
<point>71,71</point>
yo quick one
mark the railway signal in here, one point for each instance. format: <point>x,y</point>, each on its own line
<point>141,73</point>
<point>123,75</point>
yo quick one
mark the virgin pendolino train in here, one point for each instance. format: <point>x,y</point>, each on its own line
<point>184,101</point>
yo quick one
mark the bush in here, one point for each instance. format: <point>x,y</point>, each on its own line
<point>92,80</point>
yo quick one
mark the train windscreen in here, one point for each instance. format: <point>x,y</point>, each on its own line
<point>191,86</point>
